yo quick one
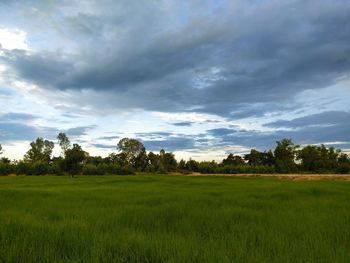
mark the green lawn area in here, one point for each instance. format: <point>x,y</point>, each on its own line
<point>173,219</point>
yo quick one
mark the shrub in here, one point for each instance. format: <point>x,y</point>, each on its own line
<point>6,168</point>
<point>21,167</point>
<point>343,168</point>
<point>39,168</point>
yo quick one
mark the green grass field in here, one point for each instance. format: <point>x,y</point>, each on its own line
<point>173,219</point>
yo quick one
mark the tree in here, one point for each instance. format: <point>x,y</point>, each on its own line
<point>310,157</point>
<point>285,153</point>
<point>192,165</point>
<point>343,163</point>
<point>40,150</point>
<point>75,157</point>
<point>318,158</point>
<point>268,158</point>
<point>181,165</point>
<point>5,160</point>
<point>118,158</point>
<point>134,152</point>
<point>233,160</point>
<point>1,150</point>
<point>254,157</point>
<point>64,142</point>
<point>167,161</point>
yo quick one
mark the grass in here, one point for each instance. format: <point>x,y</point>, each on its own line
<point>173,219</point>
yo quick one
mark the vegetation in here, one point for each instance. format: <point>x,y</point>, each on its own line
<point>131,157</point>
<point>173,219</point>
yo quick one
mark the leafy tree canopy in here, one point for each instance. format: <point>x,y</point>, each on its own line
<point>40,150</point>
<point>133,150</point>
<point>64,142</point>
<point>75,157</point>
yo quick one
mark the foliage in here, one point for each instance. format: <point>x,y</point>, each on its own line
<point>318,158</point>
<point>133,151</point>
<point>6,168</point>
<point>106,169</point>
<point>285,153</point>
<point>256,158</point>
<point>63,142</point>
<point>40,150</point>
<point>132,157</point>
<point>162,163</point>
<point>74,159</point>
<point>233,160</point>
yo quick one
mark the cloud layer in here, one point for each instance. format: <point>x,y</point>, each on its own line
<point>243,61</point>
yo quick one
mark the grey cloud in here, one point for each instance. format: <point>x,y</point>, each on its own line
<point>103,146</point>
<point>183,123</point>
<point>10,131</point>
<point>14,126</point>
<point>266,140</point>
<point>79,131</point>
<point>169,144</point>
<point>221,131</point>
<point>324,118</point>
<point>108,137</point>
<point>16,116</point>
<point>266,57</point>
<point>238,60</point>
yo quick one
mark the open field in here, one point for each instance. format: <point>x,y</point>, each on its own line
<point>173,219</point>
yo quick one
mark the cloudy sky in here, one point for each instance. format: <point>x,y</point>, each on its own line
<point>199,78</point>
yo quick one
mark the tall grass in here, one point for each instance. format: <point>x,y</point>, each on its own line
<point>173,219</point>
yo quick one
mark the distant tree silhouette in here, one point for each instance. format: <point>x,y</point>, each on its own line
<point>285,153</point>
<point>64,142</point>
<point>74,159</point>
<point>40,150</point>
<point>133,151</point>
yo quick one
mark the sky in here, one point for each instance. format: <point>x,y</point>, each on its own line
<point>198,78</point>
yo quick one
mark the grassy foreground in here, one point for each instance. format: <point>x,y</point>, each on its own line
<point>173,219</point>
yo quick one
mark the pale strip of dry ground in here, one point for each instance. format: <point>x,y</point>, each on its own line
<point>344,177</point>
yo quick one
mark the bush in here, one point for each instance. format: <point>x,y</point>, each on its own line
<point>91,169</point>
<point>39,168</point>
<point>343,168</point>
<point>120,170</point>
<point>21,168</point>
<point>101,169</point>
<point>6,168</point>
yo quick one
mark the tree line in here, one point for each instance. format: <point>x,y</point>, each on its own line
<point>131,157</point>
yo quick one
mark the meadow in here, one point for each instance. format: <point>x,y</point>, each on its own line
<point>173,219</point>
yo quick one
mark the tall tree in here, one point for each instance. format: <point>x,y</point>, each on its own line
<point>133,150</point>
<point>167,161</point>
<point>192,165</point>
<point>40,150</point>
<point>181,165</point>
<point>318,158</point>
<point>233,160</point>
<point>64,142</point>
<point>343,163</point>
<point>268,158</point>
<point>75,157</point>
<point>1,150</point>
<point>254,157</point>
<point>285,153</point>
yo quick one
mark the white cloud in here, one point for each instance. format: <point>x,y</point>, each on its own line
<point>193,117</point>
<point>13,39</point>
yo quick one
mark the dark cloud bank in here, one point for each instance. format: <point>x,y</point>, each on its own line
<point>233,59</point>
